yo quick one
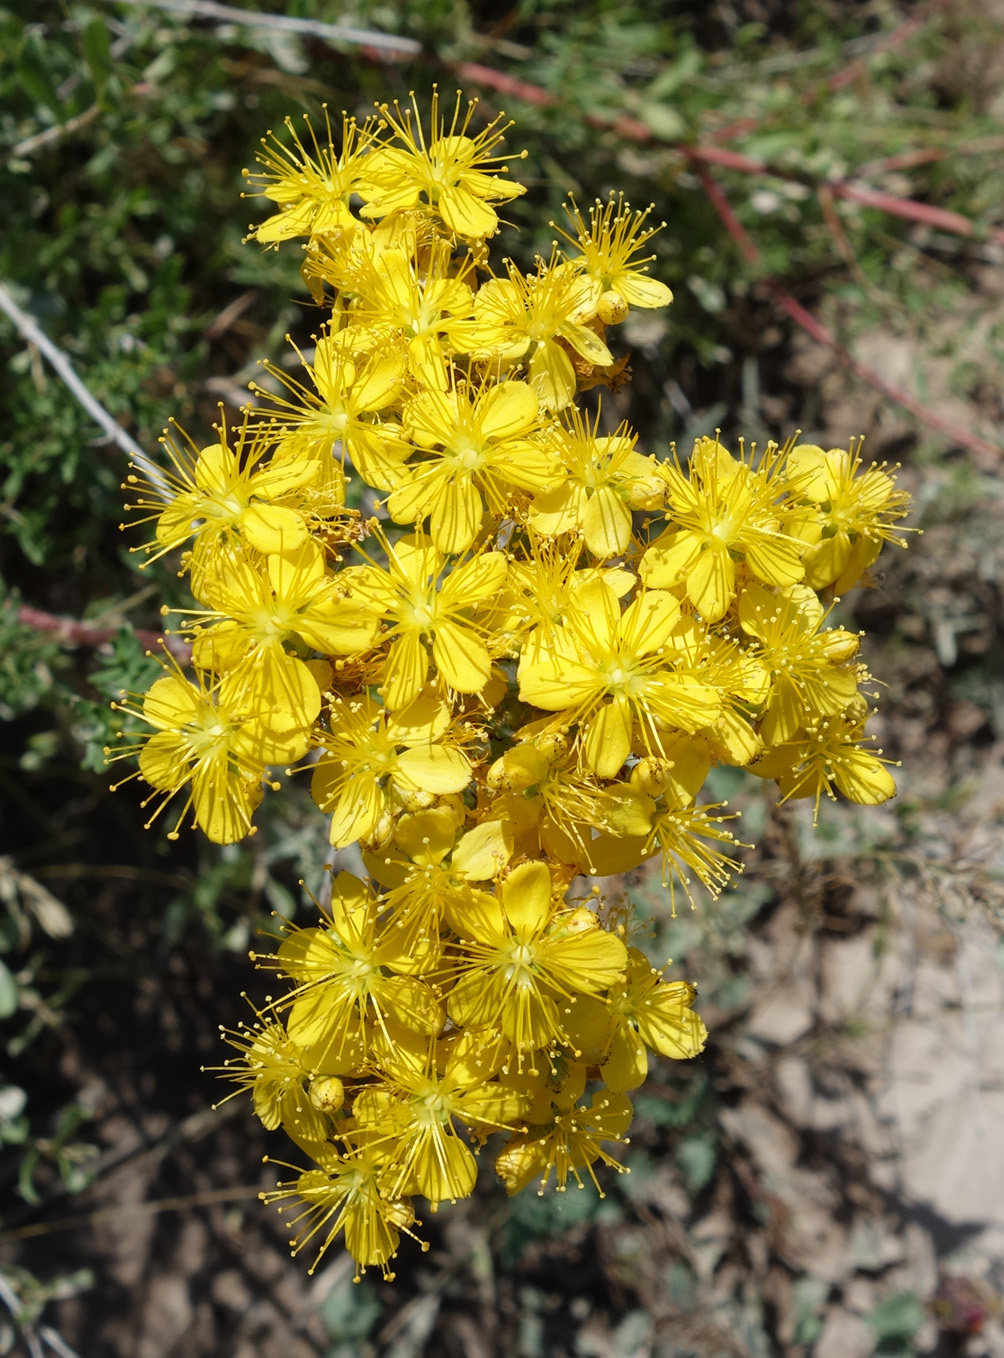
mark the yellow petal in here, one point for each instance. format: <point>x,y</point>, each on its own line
<point>216,469</point>
<point>427,836</point>
<point>461,657</point>
<point>555,511</point>
<point>587,344</point>
<point>456,515</point>
<point>649,620</point>
<point>421,721</point>
<point>406,670</point>
<point>483,851</point>
<point>608,739</point>
<point>223,801</point>
<point>669,557</point>
<point>508,411</point>
<point>863,778</point>
<point>526,896</point>
<point>606,523</point>
<point>165,761</point>
<point>272,528</point>
<point>410,501</point>
<point>586,962</point>
<point>668,1024</point>
<point>475,582</point>
<point>552,375</point>
<point>775,561</point>
<point>435,769</point>
<point>626,1067</point>
<point>467,215</point>
<point>640,291</point>
<point>172,702</point>
<point>711,582</point>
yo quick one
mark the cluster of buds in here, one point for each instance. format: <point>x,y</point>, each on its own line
<point>508,661</point>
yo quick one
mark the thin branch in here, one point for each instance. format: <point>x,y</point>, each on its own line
<point>311,28</point>
<point>727,159</point>
<point>53,133</point>
<point>73,632</point>
<point>57,1343</point>
<point>906,160</point>
<point>727,216</point>
<point>28,328</point>
<point>14,1305</point>
<point>137,1209</point>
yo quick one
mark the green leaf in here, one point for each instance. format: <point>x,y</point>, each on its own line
<point>96,43</point>
<point>33,77</point>
<point>899,1317</point>
<point>8,992</point>
<point>671,79</point>
<point>697,1156</point>
<point>661,120</point>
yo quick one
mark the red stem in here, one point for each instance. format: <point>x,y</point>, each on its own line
<point>703,155</point>
<point>73,632</point>
<point>887,44</point>
<point>814,327</point>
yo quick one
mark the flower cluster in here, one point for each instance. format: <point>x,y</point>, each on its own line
<point>514,675</point>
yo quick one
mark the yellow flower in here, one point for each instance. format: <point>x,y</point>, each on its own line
<point>475,443</point>
<point>649,1012</point>
<point>551,803</point>
<point>607,245</point>
<point>347,259</point>
<point>431,867</point>
<point>521,954</point>
<point>855,510</point>
<point>647,817</point>
<point>346,973</point>
<point>277,1073</point>
<point>416,1104</point>
<point>726,510</point>
<point>212,742</point>
<point>522,318</point>
<point>262,607</point>
<point>458,175</point>
<point>544,587</point>
<point>224,491</point>
<point>608,672</point>
<point>343,412</point>
<point>740,677</point>
<point>420,599</point>
<point>373,759</point>
<point>571,1142</point>
<point>419,306</point>
<point>349,1193</point>
<point>313,188</point>
<point>605,479</point>
<point>829,754</point>
<point>808,663</point>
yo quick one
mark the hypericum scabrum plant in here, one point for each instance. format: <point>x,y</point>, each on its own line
<point>517,674</point>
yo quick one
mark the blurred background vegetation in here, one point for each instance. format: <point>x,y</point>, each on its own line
<point>832,179</point>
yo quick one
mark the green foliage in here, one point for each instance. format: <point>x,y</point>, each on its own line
<point>28,659</point>
<point>33,999</point>
<point>549,1215</point>
<point>96,727</point>
<point>895,1322</point>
